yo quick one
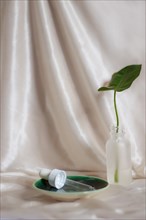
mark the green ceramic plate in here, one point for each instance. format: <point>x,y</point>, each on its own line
<point>67,193</point>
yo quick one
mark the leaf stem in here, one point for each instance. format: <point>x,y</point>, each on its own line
<point>116,174</point>
<point>116,111</point>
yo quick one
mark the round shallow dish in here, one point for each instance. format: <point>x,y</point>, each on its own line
<point>67,193</point>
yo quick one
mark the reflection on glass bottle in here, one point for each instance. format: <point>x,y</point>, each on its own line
<point>118,155</point>
<point>78,186</point>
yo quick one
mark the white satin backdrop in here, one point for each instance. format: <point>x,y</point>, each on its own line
<point>54,56</point>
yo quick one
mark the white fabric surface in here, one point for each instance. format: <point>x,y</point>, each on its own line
<point>54,56</point>
<point>117,202</point>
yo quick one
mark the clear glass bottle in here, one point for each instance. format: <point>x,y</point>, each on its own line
<point>118,156</point>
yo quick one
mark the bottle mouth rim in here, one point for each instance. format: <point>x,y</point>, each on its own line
<point>118,130</point>
<point>57,178</point>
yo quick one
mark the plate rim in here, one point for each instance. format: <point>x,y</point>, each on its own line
<point>72,193</point>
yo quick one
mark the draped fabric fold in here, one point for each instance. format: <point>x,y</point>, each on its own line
<point>54,56</point>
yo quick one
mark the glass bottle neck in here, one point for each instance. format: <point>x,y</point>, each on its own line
<point>117,132</point>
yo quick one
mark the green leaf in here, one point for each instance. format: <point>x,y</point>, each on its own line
<point>123,79</point>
